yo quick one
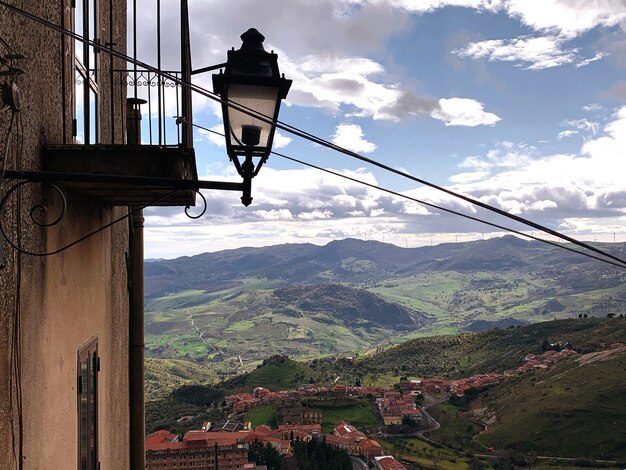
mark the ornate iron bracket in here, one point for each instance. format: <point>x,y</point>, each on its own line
<point>38,213</point>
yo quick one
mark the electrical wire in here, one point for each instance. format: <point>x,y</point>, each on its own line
<point>434,206</point>
<point>5,148</point>
<point>311,137</point>
<point>451,211</point>
<point>15,381</point>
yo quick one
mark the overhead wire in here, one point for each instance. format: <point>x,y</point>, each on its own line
<point>313,138</point>
<point>434,206</point>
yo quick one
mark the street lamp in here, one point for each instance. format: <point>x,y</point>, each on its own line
<point>251,89</point>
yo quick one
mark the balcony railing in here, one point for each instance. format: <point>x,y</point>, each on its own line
<point>160,114</point>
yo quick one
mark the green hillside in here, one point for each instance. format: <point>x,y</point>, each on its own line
<point>491,351</point>
<point>275,373</point>
<point>365,263</point>
<point>573,410</point>
<point>162,376</point>
<point>576,409</point>
<point>236,307</point>
<point>241,329</point>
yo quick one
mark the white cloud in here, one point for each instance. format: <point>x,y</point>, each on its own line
<point>573,190</point>
<point>554,188</point>
<point>346,83</point>
<point>611,148</point>
<point>423,6</point>
<point>281,141</point>
<point>592,107</point>
<point>313,215</point>
<point>274,214</point>
<point>583,125</point>
<point>543,205</point>
<point>582,193</point>
<point>351,137</point>
<point>598,56</point>
<point>578,126</point>
<point>350,85</point>
<point>505,155</point>
<point>463,112</point>
<point>533,52</point>
<point>567,133</point>
<point>469,177</point>
<point>567,17</point>
<point>213,137</point>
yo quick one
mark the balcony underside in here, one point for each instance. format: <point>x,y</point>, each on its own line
<point>89,165</point>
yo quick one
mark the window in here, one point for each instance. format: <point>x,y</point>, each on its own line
<point>87,390</point>
<point>86,72</point>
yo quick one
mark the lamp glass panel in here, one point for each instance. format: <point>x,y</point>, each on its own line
<point>261,99</point>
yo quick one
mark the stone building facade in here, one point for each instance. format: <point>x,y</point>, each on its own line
<point>64,399</point>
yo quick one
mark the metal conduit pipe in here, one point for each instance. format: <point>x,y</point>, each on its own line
<point>136,315</point>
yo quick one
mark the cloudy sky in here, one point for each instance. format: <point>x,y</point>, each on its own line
<point>518,103</point>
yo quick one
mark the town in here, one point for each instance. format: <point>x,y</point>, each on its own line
<point>226,444</point>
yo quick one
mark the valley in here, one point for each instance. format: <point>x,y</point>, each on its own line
<point>369,314</point>
<point>233,309</point>
<point>568,410</point>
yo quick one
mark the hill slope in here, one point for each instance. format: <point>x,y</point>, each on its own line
<point>244,327</point>
<point>366,262</point>
<point>466,354</point>
<point>574,410</point>
<point>306,300</point>
<point>497,350</point>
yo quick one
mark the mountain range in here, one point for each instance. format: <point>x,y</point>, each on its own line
<point>234,308</point>
<point>365,262</point>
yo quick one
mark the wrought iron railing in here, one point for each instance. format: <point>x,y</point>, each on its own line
<point>160,114</point>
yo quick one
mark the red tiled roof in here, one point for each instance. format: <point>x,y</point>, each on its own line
<point>192,437</point>
<point>159,437</point>
<point>333,439</point>
<point>300,427</point>
<point>387,462</point>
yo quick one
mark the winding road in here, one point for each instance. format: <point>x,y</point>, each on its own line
<point>194,325</point>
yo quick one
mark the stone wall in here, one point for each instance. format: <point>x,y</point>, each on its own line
<point>56,303</point>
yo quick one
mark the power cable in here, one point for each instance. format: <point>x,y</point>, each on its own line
<point>451,211</point>
<point>434,206</point>
<point>311,137</point>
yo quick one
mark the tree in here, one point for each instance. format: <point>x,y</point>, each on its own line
<point>317,455</point>
<point>265,454</point>
<point>409,422</point>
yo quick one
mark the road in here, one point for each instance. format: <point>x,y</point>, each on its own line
<point>194,325</point>
<point>428,424</point>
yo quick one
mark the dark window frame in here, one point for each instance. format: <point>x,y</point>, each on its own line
<point>86,71</point>
<point>87,368</point>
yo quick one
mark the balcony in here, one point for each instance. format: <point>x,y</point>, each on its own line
<point>125,175</point>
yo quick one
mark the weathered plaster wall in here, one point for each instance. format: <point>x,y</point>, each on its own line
<point>64,299</point>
